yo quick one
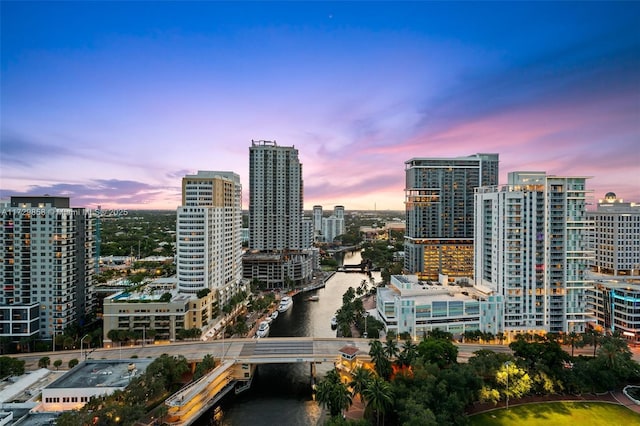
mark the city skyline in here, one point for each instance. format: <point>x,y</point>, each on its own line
<point>113,103</point>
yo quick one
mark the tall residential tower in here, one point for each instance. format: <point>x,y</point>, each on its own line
<point>531,248</point>
<point>279,239</point>
<point>275,197</point>
<point>46,266</point>
<point>439,213</point>
<point>209,234</point>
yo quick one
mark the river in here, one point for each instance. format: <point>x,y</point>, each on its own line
<point>281,393</point>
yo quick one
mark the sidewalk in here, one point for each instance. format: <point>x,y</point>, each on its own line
<point>624,400</point>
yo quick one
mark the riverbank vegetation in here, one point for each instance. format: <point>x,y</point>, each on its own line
<point>423,384</point>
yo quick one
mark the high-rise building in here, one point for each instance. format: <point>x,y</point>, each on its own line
<point>279,240</point>
<point>615,299</point>
<point>46,265</point>
<point>333,226</point>
<point>317,218</point>
<point>209,234</point>
<point>616,238</point>
<point>439,213</point>
<point>531,248</point>
<point>275,197</point>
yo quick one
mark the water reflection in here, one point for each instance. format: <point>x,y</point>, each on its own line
<point>281,393</point>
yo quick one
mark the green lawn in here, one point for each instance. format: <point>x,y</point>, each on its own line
<point>559,414</point>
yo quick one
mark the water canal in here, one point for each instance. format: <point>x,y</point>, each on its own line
<point>281,393</point>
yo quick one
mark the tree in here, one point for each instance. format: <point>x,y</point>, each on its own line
<point>206,365</point>
<point>11,366</point>
<point>333,394</point>
<point>591,337</point>
<point>44,362</point>
<point>441,352</point>
<point>391,348</point>
<point>57,363</point>
<point>379,397</point>
<point>73,362</point>
<point>408,354</point>
<point>514,381</point>
<point>572,339</point>
<point>379,358</point>
<point>360,378</point>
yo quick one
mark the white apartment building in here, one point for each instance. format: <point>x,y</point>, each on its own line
<point>209,234</point>
<point>333,226</point>
<point>409,305</point>
<point>317,218</point>
<point>616,237</point>
<point>46,266</point>
<point>531,248</point>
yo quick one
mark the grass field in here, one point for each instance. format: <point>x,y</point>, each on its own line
<point>559,414</point>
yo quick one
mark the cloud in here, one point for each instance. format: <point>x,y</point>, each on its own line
<point>107,193</point>
<point>19,151</point>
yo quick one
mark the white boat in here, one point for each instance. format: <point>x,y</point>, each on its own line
<point>285,304</point>
<point>314,298</point>
<point>269,319</point>
<point>263,329</point>
<point>334,322</point>
<point>274,315</point>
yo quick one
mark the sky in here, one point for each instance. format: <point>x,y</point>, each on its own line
<point>112,103</point>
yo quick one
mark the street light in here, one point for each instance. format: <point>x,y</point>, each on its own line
<point>365,335</point>
<point>81,342</point>
<point>507,364</point>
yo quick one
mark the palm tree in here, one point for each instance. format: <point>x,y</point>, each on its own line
<point>333,394</point>
<point>379,358</point>
<point>379,396</point>
<point>360,378</point>
<point>573,339</point>
<point>591,337</point>
<point>408,354</point>
<point>391,348</point>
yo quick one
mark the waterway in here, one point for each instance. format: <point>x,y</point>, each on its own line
<point>281,393</point>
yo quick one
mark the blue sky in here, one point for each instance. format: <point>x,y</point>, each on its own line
<point>111,103</point>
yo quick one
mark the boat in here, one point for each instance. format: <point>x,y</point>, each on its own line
<point>313,298</point>
<point>334,322</point>
<point>274,315</point>
<point>285,304</point>
<point>269,319</point>
<point>263,329</point>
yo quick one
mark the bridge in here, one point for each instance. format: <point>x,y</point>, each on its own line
<point>238,361</point>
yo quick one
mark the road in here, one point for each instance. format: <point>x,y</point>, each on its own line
<point>196,350</point>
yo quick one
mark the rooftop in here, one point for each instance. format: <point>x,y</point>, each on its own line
<point>102,373</point>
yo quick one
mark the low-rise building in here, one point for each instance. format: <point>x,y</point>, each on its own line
<point>156,311</point>
<point>90,379</point>
<point>415,307</point>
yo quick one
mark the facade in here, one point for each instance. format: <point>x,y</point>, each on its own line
<point>616,237</point>
<point>614,303</point>
<point>276,270</point>
<point>333,226</point>
<point>209,234</point>
<point>151,315</point>
<point>47,256</point>
<point>439,213</point>
<point>279,238</point>
<point>317,218</point>
<point>275,197</point>
<point>531,248</point>
<point>412,306</point>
